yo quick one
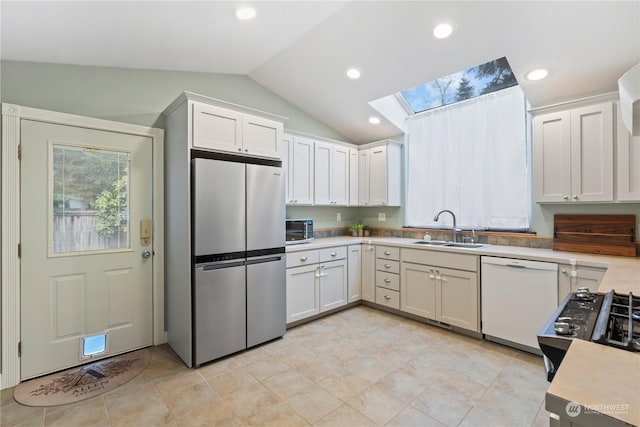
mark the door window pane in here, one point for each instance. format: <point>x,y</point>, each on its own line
<point>90,199</point>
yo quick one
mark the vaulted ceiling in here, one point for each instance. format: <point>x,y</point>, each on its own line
<point>300,50</point>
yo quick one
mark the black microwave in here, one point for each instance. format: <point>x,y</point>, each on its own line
<point>299,231</point>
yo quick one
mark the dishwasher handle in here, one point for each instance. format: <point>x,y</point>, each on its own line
<point>515,266</point>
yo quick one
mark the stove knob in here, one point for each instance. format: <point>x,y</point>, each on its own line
<point>562,328</point>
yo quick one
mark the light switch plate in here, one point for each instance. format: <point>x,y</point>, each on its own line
<point>382,216</point>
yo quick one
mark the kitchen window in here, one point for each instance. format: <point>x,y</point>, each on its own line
<point>471,158</point>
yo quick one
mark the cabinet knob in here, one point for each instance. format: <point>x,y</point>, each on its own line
<point>565,197</point>
<point>387,280</point>
<point>387,253</point>
<point>387,297</point>
<point>333,254</point>
<point>246,150</point>
<point>575,197</point>
<point>239,149</point>
<point>387,266</point>
<point>304,258</point>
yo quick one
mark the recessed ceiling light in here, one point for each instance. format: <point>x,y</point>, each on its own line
<point>537,74</point>
<point>353,73</point>
<point>442,31</point>
<point>374,120</point>
<point>245,13</point>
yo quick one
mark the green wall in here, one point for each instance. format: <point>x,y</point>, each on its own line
<point>137,96</point>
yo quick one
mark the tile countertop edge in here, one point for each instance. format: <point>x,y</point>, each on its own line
<point>595,385</point>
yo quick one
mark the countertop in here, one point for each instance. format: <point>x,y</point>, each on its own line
<point>602,379</point>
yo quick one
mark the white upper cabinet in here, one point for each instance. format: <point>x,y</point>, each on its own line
<point>331,174</point>
<point>353,176</point>
<point>379,174</point>
<point>363,178</point>
<point>573,155</point>
<point>628,163</point>
<point>221,129</point>
<point>261,137</point>
<point>298,160</point>
<point>216,128</point>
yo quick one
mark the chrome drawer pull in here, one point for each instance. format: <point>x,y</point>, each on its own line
<point>304,258</point>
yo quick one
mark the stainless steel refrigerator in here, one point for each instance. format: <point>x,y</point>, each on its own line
<point>239,291</point>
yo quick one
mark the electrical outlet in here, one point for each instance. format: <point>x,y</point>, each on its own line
<point>382,216</point>
<point>338,216</point>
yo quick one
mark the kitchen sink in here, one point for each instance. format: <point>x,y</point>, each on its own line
<point>431,242</point>
<point>463,245</point>
<point>448,244</point>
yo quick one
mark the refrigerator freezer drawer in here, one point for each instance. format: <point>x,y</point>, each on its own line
<point>219,312</point>
<point>266,299</point>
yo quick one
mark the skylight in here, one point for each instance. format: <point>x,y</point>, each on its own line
<point>489,77</point>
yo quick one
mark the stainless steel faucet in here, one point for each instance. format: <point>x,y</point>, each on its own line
<point>454,229</point>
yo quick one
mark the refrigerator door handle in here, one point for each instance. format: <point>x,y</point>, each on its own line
<point>260,260</point>
<point>220,264</point>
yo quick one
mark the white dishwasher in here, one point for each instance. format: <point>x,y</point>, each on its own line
<point>518,297</point>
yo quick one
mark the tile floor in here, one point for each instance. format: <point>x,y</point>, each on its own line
<point>359,367</point>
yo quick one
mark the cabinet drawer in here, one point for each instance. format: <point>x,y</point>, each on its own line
<point>388,280</point>
<point>296,259</point>
<point>332,254</point>
<point>387,252</point>
<point>388,266</point>
<point>388,297</point>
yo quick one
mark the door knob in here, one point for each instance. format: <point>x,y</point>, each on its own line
<point>146,254</point>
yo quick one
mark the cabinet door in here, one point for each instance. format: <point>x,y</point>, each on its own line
<point>353,177</point>
<point>216,128</point>
<point>333,285</point>
<point>418,290</point>
<point>262,137</point>
<point>457,297</point>
<point>303,298</point>
<point>592,153</point>
<point>339,173</point>
<point>354,279</point>
<point>322,174</point>
<point>589,277</point>
<point>378,176</point>
<point>363,178</point>
<point>287,157</point>
<point>552,157</point>
<point>628,163</point>
<point>301,164</point>
<point>368,273</point>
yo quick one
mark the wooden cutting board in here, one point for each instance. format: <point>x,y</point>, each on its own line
<point>595,234</point>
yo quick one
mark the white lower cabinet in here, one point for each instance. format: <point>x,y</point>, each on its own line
<point>303,299</point>
<point>368,273</point>
<point>332,284</point>
<point>354,273</point>
<point>447,295</point>
<point>316,282</point>
<point>588,277</point>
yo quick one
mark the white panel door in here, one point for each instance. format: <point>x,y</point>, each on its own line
<point>592,153</point>
<point>552,157</point>
<point>86,265</point>
<point>363,177</point>
<point>322,171</point>
<point>353,177</point>
<point>262,137</point>
<point>302,165</point>
<point>216,128</point>
<point>339,176</point>
<point>378,177</point>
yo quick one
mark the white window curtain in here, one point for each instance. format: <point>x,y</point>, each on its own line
<point>470,158</point>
